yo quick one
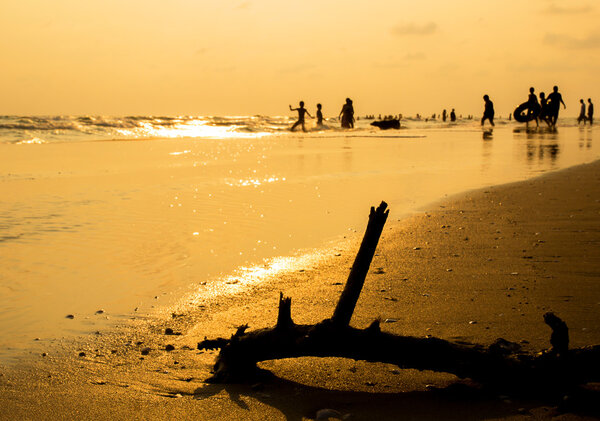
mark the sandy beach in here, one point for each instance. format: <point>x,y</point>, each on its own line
<point>474,267</point>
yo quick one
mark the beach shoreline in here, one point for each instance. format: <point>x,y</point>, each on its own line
<point>474,267</point>
<point>124,229</point>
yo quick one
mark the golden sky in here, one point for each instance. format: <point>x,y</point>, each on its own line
<point>237,57</point>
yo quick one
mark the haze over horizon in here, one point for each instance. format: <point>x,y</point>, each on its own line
<point>256,57</point>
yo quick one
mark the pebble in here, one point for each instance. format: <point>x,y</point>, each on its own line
<point>146,351</point>
<point>70,316</point>
<point>169,347</point>
<point>416,248</point>
<point>390,320</point>
<point>82,354</point>
<point>473,322</point>
<point>99,311</point>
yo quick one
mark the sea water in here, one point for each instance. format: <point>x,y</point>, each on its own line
<point>108,218</point>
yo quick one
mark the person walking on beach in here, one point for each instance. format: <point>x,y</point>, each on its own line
<point>452,115</point>
<point>488,111</point>
<point>301,111</point>
<point>582,116</point>
<point>319,116</point>
<point>555,99</point>
<point>444,115</point>
<point>533,107</point>
<point>590,111</point>
<point>347,115</point>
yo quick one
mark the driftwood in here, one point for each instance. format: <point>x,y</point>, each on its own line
<point>500,364</point>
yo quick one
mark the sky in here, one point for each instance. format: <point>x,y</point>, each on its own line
<point>238,57</point>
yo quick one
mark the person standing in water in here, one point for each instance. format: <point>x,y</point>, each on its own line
<point>301,111</point>
<point>533,107</point>
<point>582,116</point>
<point>319,116</point>
<point>544,114</point>
<point>590,111</point>
<point>555,99</point>
<point>488,111</point>
<point>452,115</point>
<point>347,115</point>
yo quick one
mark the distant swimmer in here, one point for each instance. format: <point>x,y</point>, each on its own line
<point>488,112</point>
<point>590,111</point>
<point>301,111</point>
<point>347,114</point>
<point>582,116</point>
<point>319,116</point>
<point>452,115</point>
<point>554,101</point>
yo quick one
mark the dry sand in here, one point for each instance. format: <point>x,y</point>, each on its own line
<point>483,265</point>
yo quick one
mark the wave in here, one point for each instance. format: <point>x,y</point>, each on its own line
<point>50,129</point>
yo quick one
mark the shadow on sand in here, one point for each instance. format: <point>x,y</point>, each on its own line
<point>459,401</point>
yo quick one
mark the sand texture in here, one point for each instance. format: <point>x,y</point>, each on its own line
<point>476,267</point>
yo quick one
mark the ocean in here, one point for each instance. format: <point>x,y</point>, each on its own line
<point>113,218</point>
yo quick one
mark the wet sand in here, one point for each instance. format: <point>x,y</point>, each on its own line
<point>478,266</point>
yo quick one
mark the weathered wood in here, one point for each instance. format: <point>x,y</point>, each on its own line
<point>345,306</point>
<point>496,365</point>
<point>501,364</point>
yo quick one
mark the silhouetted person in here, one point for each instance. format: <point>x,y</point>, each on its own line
<point>488,111</point>
<point>319,116</point>
<point>452,115</point>
<point>532,107</point>
<point>301,111</point>
<point>347,115</point>
<point>554,101</point>
<point>590,111</point>
<point>582,116</point>
<point>544,111</point>
<point>444,115</point>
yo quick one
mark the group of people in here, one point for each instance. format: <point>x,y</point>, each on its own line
<point>590,112</point>
<point>346,115</point>
<point>445,115</point>
<point>547,108</point>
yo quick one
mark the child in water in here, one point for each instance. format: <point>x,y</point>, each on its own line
<point>301,111</point>
<point>319,116</point>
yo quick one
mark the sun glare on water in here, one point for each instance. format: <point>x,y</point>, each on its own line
<point>189,129</point>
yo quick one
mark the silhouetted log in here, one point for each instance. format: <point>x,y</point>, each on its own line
<point>345,306</point>
<point>494,365</point>
<point>501,364</point>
